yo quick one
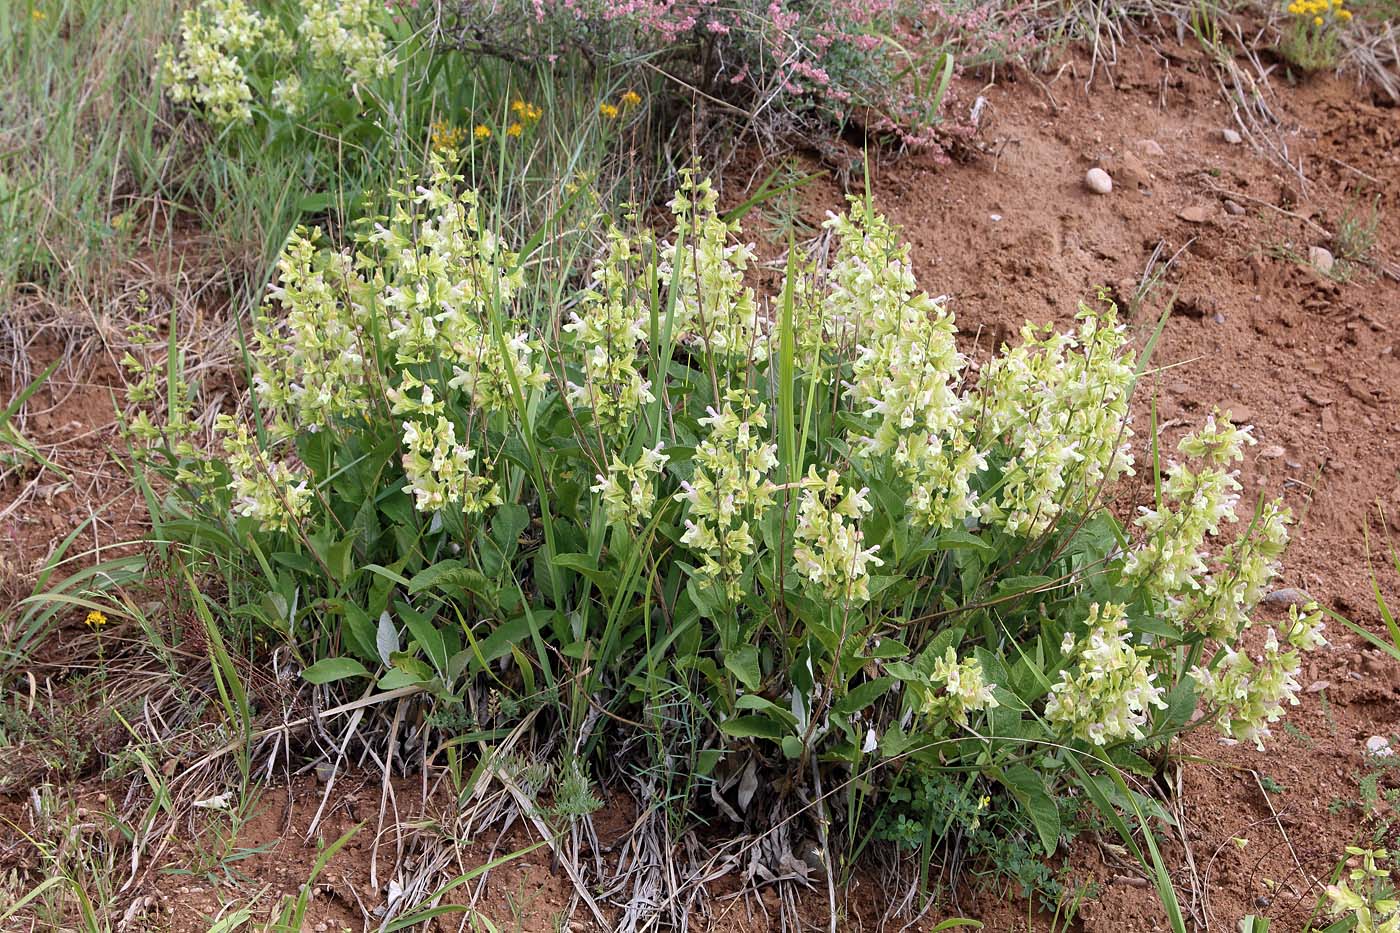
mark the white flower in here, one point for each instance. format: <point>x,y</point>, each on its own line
<point>1107,699</point>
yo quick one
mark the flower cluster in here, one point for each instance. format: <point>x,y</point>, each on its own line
<point>827,547</point>
<point>444,136</point>
<point>224,44</point>
<point>714,308</point>
<point>441,472</point>
<point>275,494</point>
<point>341,34</point>
<point>206,70</point>
<point>907,369</point>
<point>1244,695</point>
<point>607,334</point>
<point>956,688</point>
<point>730,490</point>
<point>1063,417</point>
<point>628,491</point>
<point>1108,697</point>
<point>1316,11</point>
<point>1171,563</point>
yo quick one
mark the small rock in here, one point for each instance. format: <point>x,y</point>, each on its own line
<point>1272,452</point>
<point>1233,208</point>
<point>1137,172</point>
<point>1317,686</point>
<point>1239,414</point>
<point>1231,136</point>
<point>325,772</point>
<point>1098,181</point>
<point>1196,214</point>
<point>1379,746</point>
<point>1150,148</point>
<point>1218,318</point>
<point>320,928</point>
<point>1321,259</point>
<point>1286,596</point>
<point>996,218</point>
<point>1373,663</point>
<point>1263,901</point>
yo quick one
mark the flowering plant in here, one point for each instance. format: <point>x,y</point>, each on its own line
<point>794,531</point>
<point>1311,36</point>
<point>804,63</point>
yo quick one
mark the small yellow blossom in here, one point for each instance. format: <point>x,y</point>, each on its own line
<point>526,111</point>
<point>37,15</point>
<point>482,131</point>
<point>631,99</point>
<point>1317,20</point>
<point>984,803</point>
<point>609,111</point>
<point>446,136</point>
<point>95,619</point>
<point>515,129</point>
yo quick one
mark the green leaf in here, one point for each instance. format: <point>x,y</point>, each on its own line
<point>956,538</point>
<point>327,670</point>
<point>862,696</point>
<point>432,576</point>
<point>752,702</point>
<point>751,727</point>
<point>743,663</point>
<point>1029,789</point>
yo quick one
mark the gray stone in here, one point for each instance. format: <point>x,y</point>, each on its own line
<point>1286,596</point>
<point>1231,136</point>
<point>1321,259</point>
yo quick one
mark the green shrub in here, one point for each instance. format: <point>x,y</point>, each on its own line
<point>799,530</point>
<point>312,108</point>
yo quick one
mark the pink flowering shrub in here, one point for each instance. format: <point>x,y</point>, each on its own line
<point>803,62</point>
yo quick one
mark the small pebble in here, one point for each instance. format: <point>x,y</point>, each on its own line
<point>1321,259</point>
<point>1272,452</point>
<point>1098,181</point>
<point>1317,686</point>
<point>1151,148</point>
<point>996,218</point>
<point>1233,208</point>
<point>1379,746</point>
<point>1286,596</point>
<point>1231,136</point>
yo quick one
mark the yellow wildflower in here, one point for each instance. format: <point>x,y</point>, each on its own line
<point>1344,15</point>
<point>1317,20</point>
<point>526,111</point>
<point>95,619</point>
<point>515,129</point>
<point>37,15</point>
<point>631,99</point>
<point>608,110</point>
<point>446,136</point>
<point>482,131</point>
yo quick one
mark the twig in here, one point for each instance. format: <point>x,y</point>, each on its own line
<point>1225,192</point>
